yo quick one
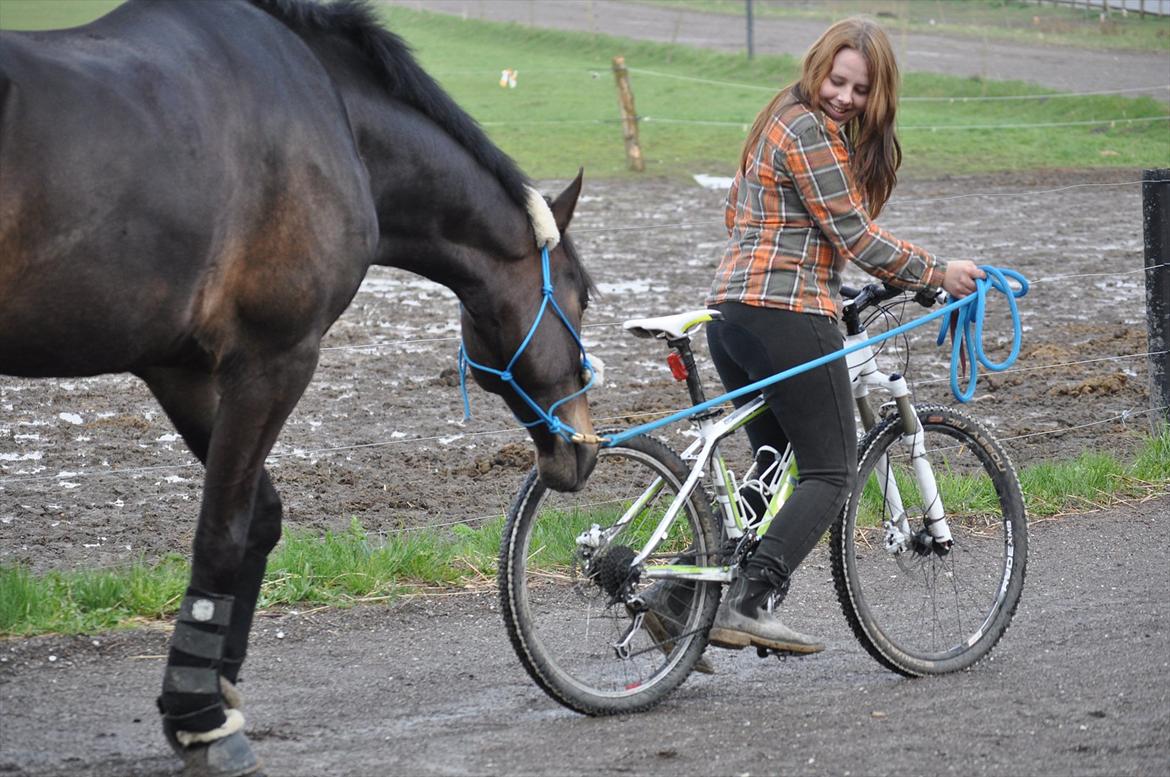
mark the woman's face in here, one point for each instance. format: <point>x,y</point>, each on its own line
<point>846,89</point>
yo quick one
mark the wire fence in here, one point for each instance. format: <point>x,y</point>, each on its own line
<point>519,432</point>
<point>745,121</point>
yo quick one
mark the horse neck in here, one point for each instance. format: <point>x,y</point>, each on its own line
<point>440,215</point>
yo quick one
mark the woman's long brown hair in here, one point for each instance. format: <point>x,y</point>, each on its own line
<point>876,151</point>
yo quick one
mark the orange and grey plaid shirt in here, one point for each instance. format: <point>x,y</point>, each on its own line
<point>795,215</point>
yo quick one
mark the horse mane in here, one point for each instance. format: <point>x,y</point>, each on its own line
<point>403,77</point>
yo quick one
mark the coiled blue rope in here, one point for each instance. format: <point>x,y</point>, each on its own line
<point>970,325</point>
<point>972,310</point>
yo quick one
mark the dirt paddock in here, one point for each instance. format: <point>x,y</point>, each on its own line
<point>92,474</point>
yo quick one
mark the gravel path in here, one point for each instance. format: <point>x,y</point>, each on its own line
<point>1067,69</point>
<point>1079,686</point>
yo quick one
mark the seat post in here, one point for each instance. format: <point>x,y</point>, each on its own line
<point>694,386</point>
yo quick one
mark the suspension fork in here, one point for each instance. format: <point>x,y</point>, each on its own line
<point>914,439</point>
<point>864,374</point>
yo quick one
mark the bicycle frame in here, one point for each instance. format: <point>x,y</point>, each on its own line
<point>709,463</point>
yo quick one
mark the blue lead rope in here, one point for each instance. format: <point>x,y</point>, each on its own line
<point>971,311</point>
<point>546,417</point>
<point>970,324</point>
<point>973,308</point>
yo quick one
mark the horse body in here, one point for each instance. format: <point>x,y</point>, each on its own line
<point>193,192</point>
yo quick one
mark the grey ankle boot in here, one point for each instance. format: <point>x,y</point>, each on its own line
<point>743,620</point>
<point>667,603</point>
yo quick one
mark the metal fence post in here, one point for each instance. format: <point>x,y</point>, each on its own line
<point>751,48</point>
<point>1156,228</point>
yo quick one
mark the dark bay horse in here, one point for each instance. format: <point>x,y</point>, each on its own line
<point>192,192</point>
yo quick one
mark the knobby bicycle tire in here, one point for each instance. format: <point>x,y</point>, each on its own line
<point>920,612</point>
<point>562,620</point>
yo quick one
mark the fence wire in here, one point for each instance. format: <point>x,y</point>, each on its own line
<point>519,431</point>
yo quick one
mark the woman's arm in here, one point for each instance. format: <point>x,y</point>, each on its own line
<point>819,167</point>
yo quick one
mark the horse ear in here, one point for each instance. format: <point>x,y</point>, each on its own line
<point>566,201</point>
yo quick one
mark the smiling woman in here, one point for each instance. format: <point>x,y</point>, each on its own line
<point>818,166</point>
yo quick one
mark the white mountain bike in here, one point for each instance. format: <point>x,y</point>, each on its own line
<point>928,555</point>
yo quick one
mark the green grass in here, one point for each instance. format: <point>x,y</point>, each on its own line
<point>1005,20</point>
<point>352,566</point>
<point>51,14</point>
<point>696,105</point>
<point>86,601</point>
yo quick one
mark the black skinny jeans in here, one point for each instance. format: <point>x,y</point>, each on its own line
<point>813,411</point>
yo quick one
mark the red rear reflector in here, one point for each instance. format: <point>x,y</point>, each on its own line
<point>677,368</point>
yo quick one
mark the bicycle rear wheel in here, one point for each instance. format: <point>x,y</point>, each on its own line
<point>565,604</point>
<point>919,611</point>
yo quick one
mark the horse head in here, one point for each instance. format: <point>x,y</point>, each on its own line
<point>522,342</point>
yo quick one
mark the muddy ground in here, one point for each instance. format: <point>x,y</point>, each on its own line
<point>91,473</point>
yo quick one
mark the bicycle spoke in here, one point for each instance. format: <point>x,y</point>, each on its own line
<point>925,608</point>
<point>577,627</point>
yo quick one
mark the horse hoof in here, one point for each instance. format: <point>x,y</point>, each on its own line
<point>231,756</point>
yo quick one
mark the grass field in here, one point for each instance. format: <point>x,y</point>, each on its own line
<point>354,566</point>
<point>695,105</point>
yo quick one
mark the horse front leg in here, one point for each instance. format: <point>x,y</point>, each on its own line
<point>256,396</point>
<point>263,534</point>
<point>190,399</point>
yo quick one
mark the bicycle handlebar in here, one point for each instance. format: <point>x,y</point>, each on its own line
<point>874,293</point>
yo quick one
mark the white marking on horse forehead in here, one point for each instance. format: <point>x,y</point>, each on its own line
<point>543,223</point>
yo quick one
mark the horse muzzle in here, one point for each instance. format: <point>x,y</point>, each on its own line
<point>565,465</point>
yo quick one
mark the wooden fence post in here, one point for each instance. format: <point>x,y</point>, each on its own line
<point>1156,226</point>
<point>629,115</point>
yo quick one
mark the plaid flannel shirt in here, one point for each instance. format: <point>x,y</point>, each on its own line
<point>795,215</point>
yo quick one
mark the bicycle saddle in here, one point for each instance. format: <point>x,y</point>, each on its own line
<point>670,327</point>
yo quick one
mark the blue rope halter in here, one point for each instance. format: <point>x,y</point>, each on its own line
<point>546,417</point>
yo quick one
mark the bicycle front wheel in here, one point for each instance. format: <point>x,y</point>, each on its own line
<point>567,603</point>
<point>920,610</point>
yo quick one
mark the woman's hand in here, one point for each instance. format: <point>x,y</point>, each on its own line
<point>960,277</point>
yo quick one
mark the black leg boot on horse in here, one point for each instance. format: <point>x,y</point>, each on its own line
<point>200,705</point>
<point>209,736</point>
